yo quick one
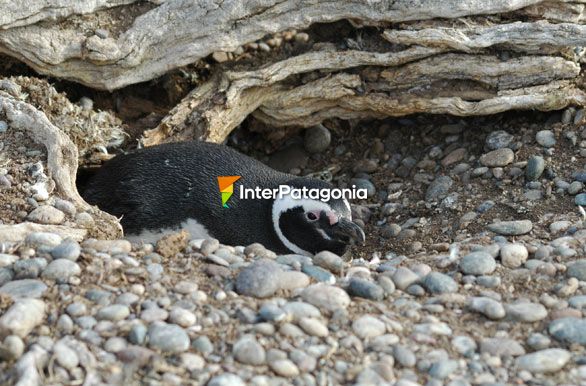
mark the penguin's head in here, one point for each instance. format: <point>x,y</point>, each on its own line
<point>307,226</point>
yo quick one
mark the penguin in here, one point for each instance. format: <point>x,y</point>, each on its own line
<point>174,186</point>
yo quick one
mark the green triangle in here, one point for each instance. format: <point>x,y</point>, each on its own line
<point>225,197</point>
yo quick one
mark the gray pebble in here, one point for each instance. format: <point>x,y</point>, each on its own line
<point>203,345</point>
<point>513,255</point>
<point>11,348</point>
<point>464,345</point>
<point>317,139</point>
<point>544,361</point>
<point>29,269</point>
<point>580,199</point>
<point>535,167</point>
<point>477,263</point>
<point>498,139</point>
<point>538,341</point>
<point>501,347</point>
<point>326,297</point>
<point>319,274</point>
<point>368,326</point>
<point>76,309</point>
<point>439,283</point>
<point>167,337</point>
<point>260,279</point>
<point>137,334</point>
<point>438,188</point>
<point>570,330</point>
<point>497,158</point>
<point>365,289</point>
<point>511,228</point>
<point>114,312</point>
<point>226,379</point>
<point>61,270</point>
<point>577,270</point>
<point>249,352</point>
<point>404,356</point>
<point>46,214</point>
<point>526,312</point>
<point>68,249</point>
<point>488,307</point>
<point>65,356</point>
<point>575,187</point>
<point>329,261</point>
<point>363,183</point>
<point>26,288</point>
<point>545,138</point>
<point>22,317</point>
<point>443,369</point>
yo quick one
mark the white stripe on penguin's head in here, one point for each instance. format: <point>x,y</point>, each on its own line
<point>286,202</point>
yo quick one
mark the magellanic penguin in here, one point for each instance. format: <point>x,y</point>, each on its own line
<point>174,186</point>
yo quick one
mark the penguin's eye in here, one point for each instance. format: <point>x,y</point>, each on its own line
<point>311,216</point>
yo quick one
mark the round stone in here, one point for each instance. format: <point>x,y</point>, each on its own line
<point>577,270</point>
<point>490,308</point>
<point>326,297</point>
<point>544,361</point>
<point>368,326</point>
<point>182,317</point>
<point>498,139</point>
<point>313,327</point>
<point>260,279</point>
<point>26,288</point>
<point>535,167</point>
<point>68,249</point>
<point>284,368</point>
<point>65,356</point>
<point>438,188</point>
<point>365,289</point>
<point>317,139</point>
<point>329,261</point>
<point>226,379</point>
<point>570,330</point>
<point>137,334</point>
<point>439,283</point>
<point>61,270</point>
<point>46,214</point>
<point>477,263</point>
<point>580,199</point>
<point>526,312</point>
<point>513,255</point>
<point>249,352</point>
<point>497,158</point>
<point>511,228</point>
<point>11,348</point>
<point>545,138</point>
<point>167,337</point>
<point>114,312</point>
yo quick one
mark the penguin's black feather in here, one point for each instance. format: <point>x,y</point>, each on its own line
<point>162,186</point>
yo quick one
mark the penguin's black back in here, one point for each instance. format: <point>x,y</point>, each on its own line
<point>162,186</point>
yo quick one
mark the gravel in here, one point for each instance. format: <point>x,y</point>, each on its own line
<point>472,273</point>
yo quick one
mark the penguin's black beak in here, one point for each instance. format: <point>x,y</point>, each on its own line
<point>348,232</point>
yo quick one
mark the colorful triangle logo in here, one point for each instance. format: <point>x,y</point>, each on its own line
<point>226,185</point>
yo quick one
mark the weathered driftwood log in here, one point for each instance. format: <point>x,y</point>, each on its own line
<point>458,57</point>
<point>62,161</point>
<point>150,39</point>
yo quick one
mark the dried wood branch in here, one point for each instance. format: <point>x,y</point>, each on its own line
<point>154,40</point>
<point>62,157</point>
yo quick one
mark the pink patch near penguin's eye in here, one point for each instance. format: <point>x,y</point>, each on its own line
<point>332,217</point>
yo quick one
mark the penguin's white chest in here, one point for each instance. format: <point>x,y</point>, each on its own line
<point>151,236</point>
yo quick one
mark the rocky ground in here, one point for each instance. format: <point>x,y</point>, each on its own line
<point>473,271</point>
